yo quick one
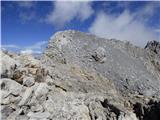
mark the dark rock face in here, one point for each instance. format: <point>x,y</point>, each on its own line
<point>150,111</point>
<point>153,46</point>
<point>154,53</point>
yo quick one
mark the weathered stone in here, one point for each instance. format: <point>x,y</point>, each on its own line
<point>42,90</point>
<point>22,117</point>
<point>23,110</point>
<point>82,77</point>
<point>10,86</point>
<point>38,115</point>
<point>26,96</point>
<point>13,115</point>
<point>100,55</point>
<point>28,81</point>
<point>29,61</point>
<point>32,71</point>
<point>41,73</point>
<point>127,116</point>
<point>10,99</point>
<point>7,65</point>
<point>6,111</point>
<point>154,46</point>
<point>37,108</point>
<point>120,60</point>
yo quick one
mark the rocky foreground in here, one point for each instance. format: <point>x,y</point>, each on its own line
<point>82,77</point>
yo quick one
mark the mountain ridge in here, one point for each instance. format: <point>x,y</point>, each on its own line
<point>81,76</point>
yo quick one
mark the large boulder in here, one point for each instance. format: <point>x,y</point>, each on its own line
<point>7,65</point>
<point>28,81</point>
<point>10,86</point>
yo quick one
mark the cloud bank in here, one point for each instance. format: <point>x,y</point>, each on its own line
<point>64,12</point>
<point>123,27</point>
<point>10,46</point>
<point>33,49</point>
<point>131,26</point>
<point>25,4</point>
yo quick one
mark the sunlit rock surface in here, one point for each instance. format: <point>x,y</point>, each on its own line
<point>82,77</point>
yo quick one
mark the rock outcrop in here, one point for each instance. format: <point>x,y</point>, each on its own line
<point>121,62</point>
<point>82,77</point>
<point>153,46</point>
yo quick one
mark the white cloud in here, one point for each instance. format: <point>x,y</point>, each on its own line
<point>158,32</point>
<point>30,51</point>
<point>25,12</point>
<point>26,16</point>
<point>37,45</point>
<point>33,49</point>
<point>149,9</point>
<point>27,51</point>
<point>123,27</point>
<point>25,4</point>
<point>64,12</point>
<point>10,46</point>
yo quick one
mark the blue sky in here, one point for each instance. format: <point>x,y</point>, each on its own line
<point>27,26</point>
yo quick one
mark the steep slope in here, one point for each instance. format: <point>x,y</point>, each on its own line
<point>129,67</point>
<point>81,77</point>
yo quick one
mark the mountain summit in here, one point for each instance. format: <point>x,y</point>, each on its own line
<point>82,77</point>
<point>123,63</point>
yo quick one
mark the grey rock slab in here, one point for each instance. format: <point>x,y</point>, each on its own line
<point>82,77</point>
<point>7,65</point>
<point>66,106</point>
<point>28,81</point>
<point>13,115</point>
<point>39,115</point>
<point>37,108</point>
<point>100,55</point>
<point>127,116</point>
<point>11,86</point>
<point>22,117</point>
<point>26,96</point>
<point>153,46</point>
<point>41,90</point>
<point>6,111</point>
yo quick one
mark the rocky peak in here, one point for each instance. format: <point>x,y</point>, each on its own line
<point>81,77</point>
<point>153,46</point>
<point>111,58</point>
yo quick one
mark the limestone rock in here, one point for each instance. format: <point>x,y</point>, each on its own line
<point>10,86</point>
<point>41,92</point>
<point>7,65</point>
<point>28,81</point>
<point>121,61</point>
<point>154,46</point>
<point>6,111</point>
<point>41,73</point>
<point>37,108</point>
<point>38,115</point>
<point>82,77</point>
<point>26,96</point>
<point>127,116</point>
<point>29,61</point>
<point>18,76</point>
<point>99,55</point>
<point>66,106</point>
